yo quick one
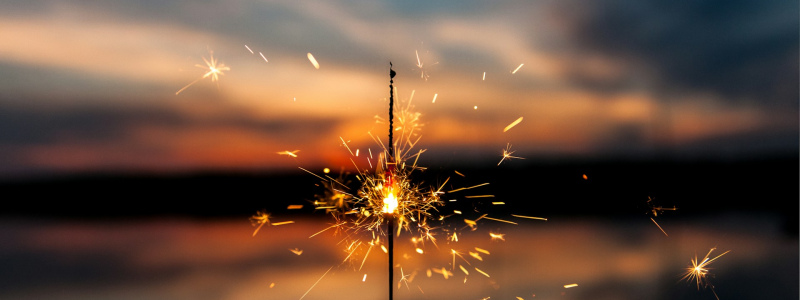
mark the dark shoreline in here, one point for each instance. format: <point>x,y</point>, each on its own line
<point>613,189</point>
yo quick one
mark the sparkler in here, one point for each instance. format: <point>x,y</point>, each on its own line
<point>388,197</point>
<point>214,70</point>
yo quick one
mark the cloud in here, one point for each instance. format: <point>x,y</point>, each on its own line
<point>743,51</point>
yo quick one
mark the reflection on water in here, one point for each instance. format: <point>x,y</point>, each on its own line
<point>193,259</point>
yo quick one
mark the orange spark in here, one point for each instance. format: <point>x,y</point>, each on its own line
<point>289,153</point>
<point>512,124</point>
<point>313,61</point>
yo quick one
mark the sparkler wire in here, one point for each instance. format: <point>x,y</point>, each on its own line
<point>389,233</point>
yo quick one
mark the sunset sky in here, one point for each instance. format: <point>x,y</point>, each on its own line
<point>91,85</point>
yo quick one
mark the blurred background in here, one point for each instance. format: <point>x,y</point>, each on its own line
<point>121,184</point>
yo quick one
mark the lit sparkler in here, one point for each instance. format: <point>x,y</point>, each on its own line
<point>387,202</point>
<point>214,70</point>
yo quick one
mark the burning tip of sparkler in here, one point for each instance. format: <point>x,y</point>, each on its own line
<point>326,170</point>
<point>390,203</point>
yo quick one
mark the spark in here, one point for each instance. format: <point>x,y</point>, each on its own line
<point>434,98</point>
<point>467,188</point>
<point>484,251</point>
<point>272,285</point>
<point>315,283</point>
<point>295,206</point>
<point>507,154</point>
<point>498,203</point>
<point>484,76</point>
<point>214,70</point>
<point>445,273</point>
<point>405,278</point>
<point>313,61</point>
<point>527,217</point>
<point>497,236</point>
<point>365,278</point>
<point>517,69</point>
<point>517,121</point>
<point>476,255</point>
<point>482,272</point>
<point>499,220</point>
<point>699,271</point>
<point>456,253</point>
<point>420,65</point>
<point>289,153</point>
<point>282,223</point>
<point>585,177</point>
<point>572,285</point>
<point>655,210</point>
<point>259,220</point>
<point>265,58</point>
<point>659,226</point>
<point>475,107</point>
<point>248,49</point>
<point>296,251</point>
<point>321,231</point>
<point>463,270</point>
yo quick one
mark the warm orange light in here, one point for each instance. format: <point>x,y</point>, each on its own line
<point>390,203</point>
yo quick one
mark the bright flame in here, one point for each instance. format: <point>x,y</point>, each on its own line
<point>390,203</point>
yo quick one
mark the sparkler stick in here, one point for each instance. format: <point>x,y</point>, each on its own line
<point>390,164</point>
